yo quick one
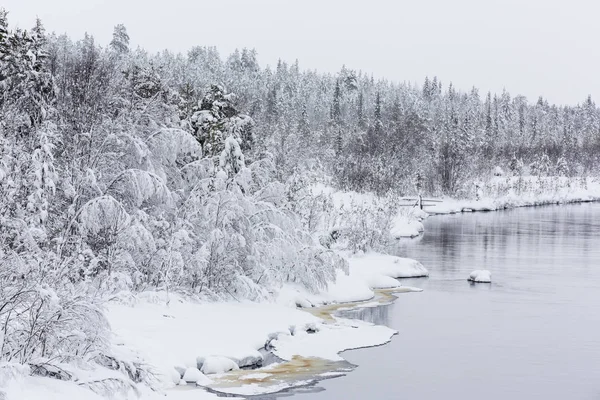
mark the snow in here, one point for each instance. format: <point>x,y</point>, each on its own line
<point>210,336</point>
<point>193,375</point>
<point>188,330</point>
<point>37,388</point>
<point>348,288</point>
<point>218,365</point>
<point>510,192</point>
<point>344,335</point>
<point>176,376</point>
<point>367,272</point>
<point>381,281</point>
<point>372,263</point>
<point>403,226</point>
<point>483,276</point>
<point>219,337</point>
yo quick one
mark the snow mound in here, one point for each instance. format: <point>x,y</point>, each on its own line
<point>193,375</point>
<point>175,375</point>
<point>38,388</point>
<point>218,365</point>
<point>403,227</point>
<point>349,288</point>
<point>381,282</point>
<point>382,264</point>
<point>292,295</point>
<point>479,275</point>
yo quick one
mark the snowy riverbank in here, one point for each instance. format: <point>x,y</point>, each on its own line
<point>296,339</point>
<point>510,192</point>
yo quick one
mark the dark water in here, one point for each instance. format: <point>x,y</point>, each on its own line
<point>534,333</point>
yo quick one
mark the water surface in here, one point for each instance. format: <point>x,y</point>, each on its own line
<point>534,333</point>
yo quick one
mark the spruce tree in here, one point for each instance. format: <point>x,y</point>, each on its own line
<point>120,39</point>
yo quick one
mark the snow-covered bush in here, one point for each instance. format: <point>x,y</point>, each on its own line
<point>365,225</point>
<point>44,316</point>
<point>541,166</point>
<point>562,167</point>
<point>313,209</point>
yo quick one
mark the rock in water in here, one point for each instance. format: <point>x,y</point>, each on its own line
<point>480,275</point>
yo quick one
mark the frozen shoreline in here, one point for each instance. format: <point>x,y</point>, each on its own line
<point>311,336</point>
<point>171,336</point>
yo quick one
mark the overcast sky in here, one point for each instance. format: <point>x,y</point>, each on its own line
<point>531,47</point>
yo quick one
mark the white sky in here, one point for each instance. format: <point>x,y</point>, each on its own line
<point>531,47</point>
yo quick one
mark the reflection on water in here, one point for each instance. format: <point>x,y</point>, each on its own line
<point>534,333</point>
<point>375,315</point>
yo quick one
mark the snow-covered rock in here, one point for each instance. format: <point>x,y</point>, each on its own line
<point>401,227</point>
<point>218,365</point>
<point>419,214</point>
<point>408,224</point>
<point>176,375</point>
<point>180,370</point>
<point>482,276</point>
<point>193,375</point>
<point>254,360</point>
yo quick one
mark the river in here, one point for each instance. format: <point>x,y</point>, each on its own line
<point>534,333</point>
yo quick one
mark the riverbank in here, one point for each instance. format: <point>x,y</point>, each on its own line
<point>163,343</point>
<point>511,192</point>
<point>230,347</point>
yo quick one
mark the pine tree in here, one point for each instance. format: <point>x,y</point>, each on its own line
<point>271,109</point>
<point>436,87</point>
<point>120,39</point>
<point>217,119</point>
<point>427,89</point>
<point>336,118</point>
<point>360,111</point>
<point>304,126</point>
<point>377,114</point>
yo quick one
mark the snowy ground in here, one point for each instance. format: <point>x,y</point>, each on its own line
<point>174,337</point>
<point>226,334</point>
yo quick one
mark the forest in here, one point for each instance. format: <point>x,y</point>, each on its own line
<point>124,171</point>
